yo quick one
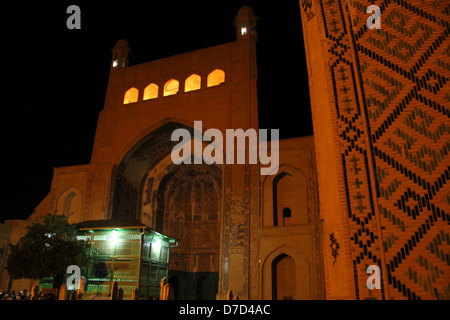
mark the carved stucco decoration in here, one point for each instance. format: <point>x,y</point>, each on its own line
<point>334,248</point>
<point>307,9</point>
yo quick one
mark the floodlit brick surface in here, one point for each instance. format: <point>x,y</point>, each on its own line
<point>389,101</point>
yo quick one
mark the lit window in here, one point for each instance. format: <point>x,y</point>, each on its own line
<point>192,83</point>
<point>243,29</point>
<point>151,92</point>
<point>171,87</point>
<point>131,96</point>
<point>215,78</point>
<point>115,61</point>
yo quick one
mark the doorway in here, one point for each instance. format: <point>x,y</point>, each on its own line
<point>283,278</point>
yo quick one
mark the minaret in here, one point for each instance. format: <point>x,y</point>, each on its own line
<point>245,23</point>
<point>120,55</point>
<point>239,247</point>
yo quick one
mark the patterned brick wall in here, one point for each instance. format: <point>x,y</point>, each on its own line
<point>391,90</point>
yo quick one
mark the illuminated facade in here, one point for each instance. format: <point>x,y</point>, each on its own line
<point>236,229</point>
<point>369,188</point>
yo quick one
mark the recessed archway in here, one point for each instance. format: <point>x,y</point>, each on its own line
<point>128,175</point>
<point>182,201</point>
<point>286,274</point>
<point>284,286</point>
<point>69,204</point>
<point>216,78</point>
<point>192,83</point>
<point>285,198</point>
<point>171,87</point>
<point>131,96</point>
<point>174,281</point>
<point>151,92</point>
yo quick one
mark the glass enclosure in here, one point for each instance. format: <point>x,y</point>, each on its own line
<point>132,257</point>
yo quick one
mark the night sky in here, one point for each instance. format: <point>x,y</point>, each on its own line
<point>56,78</point>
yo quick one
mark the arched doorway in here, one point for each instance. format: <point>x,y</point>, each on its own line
<point>175,283</point>
<point>206,288</point>
<point>284,284</point>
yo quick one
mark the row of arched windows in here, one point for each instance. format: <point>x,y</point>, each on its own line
<point>193,82</point>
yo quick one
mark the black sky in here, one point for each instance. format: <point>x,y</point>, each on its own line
<point>56,78</point>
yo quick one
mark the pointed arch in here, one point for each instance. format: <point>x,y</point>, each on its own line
<point>171,87</point>
<point>131,96</point>
<point>176,282</point>
<point>216,78</point>
<point>151,91</point>
<point>129,170</point>
<point>283,271</point>
<point>286,279</point>
<point>285,198</point>
<point>69,204</point>
<point>193,82</point>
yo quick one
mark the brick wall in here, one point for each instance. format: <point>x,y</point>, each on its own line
<point>389,92</point>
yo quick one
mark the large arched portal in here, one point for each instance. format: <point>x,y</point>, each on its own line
<point>127,177</point>
<point>182,201</point>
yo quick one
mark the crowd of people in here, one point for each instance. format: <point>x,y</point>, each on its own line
<point>22,295</point>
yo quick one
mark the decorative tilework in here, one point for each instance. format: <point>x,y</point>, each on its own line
<point>391,94</point>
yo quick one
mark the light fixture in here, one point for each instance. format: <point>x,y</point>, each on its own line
<point>156,244</point>
<point>243,29</point>
<point>114,238</point>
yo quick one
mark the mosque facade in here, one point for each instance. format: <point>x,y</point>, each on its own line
<point>367,189</point>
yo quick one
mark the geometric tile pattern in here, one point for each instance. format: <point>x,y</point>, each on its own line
<point>392,97</point>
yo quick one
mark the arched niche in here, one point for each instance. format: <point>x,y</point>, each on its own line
<point>283,273</point>
<point>286,275</point>
<point>171,87</point>
<point>128,175</point>
<point>131,96</point>
<point>69,204</point>
<point>177,285</point>
<point>142,173</point>
<point>151,92</point>
<point>285,198</point>
<point>183,201</point>
<point>192,83</point>
<point>216,78</point>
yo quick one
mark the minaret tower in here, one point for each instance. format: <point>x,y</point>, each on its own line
<point>120,55</point>
<point>239,251</point>
<point>245,23</point>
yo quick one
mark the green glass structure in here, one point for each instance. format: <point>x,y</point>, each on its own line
<point>126,252</point>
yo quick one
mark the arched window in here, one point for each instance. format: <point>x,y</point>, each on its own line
<point>192,83</point>
<point>283,193</point>
<point>285,199</point>
<point>151,91</point>
<point>216,78</point>
<point>171,87</point>
<point>131,96</point>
